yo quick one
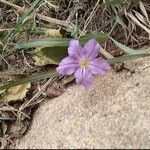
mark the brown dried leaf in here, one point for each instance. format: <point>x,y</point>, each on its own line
<point>54,90</point>
<point>17,129</point>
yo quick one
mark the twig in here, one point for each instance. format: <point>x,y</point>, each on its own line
<point>51,5</point>
<point>37,94</point>
<point>5,61</point>
<point>146,67</point>
<point>10,4</point>
<point>106,54</point>
<point>53,20</point>
<point>8,109</point>
<point>1,118</point>
<point>26,62</point>
<point>138,23</point>
<point>90,17</point>
<point>3,30</point>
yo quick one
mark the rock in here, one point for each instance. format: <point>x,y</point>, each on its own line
<point>113,113</point>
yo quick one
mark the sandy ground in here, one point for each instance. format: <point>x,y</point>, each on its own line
<point>113,113</point>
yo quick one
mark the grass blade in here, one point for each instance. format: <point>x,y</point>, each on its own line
<point>43,43</point>
<point>132,3</point>
<point>32,78</point>
<point>21,21</point>
<point>128,50</point>
<point>126,57</point>
<point>59,41</point>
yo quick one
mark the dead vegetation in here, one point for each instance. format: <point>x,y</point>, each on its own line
<point>127,21</point>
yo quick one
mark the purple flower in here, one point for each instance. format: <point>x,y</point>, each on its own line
<point>83,62</point>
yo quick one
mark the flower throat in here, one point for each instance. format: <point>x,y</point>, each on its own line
<point>84,62</point>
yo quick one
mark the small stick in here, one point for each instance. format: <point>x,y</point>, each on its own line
<point>51,5</point>
<point>3,30</point>
<point>53,20</point>
<point>106,54</point>
<point>90,17</point>
<point>37,95</point>
<point>10,4</point>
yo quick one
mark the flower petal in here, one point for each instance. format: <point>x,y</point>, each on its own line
<point>99,66</point>
<point>67,66</point>
<point>91,48</point>
<point>83,77</point>
<point>74,49</point>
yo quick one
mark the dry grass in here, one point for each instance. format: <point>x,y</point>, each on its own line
<point>127,23</point>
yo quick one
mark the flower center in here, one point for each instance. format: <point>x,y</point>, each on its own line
<point>84,62</point>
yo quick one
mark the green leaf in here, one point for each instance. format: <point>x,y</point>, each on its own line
<point>49,55</point>
<point>32,78</point>
<point>126,57</point>
<point>43,43</point>
<point>59,41</point>
<point>100,37</point>
<point>53,55</point>
<point>128,50</point>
